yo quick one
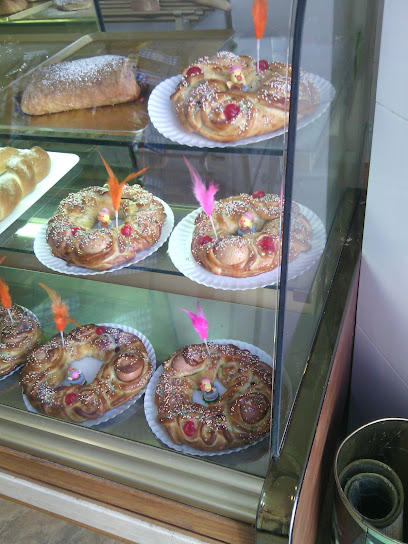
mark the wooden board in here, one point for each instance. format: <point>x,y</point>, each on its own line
<point>164,512</point>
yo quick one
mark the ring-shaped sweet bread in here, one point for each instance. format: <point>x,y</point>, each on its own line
<point>248,240</point>
<point>227,97</point>
<point>240,415</point>
<point>126,368</point>
<point>18,337</point>
<point>73,238</point>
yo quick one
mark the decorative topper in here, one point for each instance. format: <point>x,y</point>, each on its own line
<point>204,196</point>
<point>199,322</point>
<point>210,391</point>
<point>238,80</point>
<point>5,297</point>
<point>59,310</point>
<point>104,219</point>
<point>75,376</point>
<point>259,16</point>
<point>116,188</point>
<point>245,224</point>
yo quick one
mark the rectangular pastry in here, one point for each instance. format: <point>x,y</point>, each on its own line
<point>81,83</point>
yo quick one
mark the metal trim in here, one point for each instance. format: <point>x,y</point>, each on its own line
<point>177,477</point>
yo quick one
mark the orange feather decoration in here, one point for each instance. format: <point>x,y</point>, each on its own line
<point>4,295</point>
<point>116,188</point>
<point>259,16</point>
<point>59,309</point>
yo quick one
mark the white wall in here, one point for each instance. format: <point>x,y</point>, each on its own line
<point>380,370</point>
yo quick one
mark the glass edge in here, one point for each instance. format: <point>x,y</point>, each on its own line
<point>285,473</point>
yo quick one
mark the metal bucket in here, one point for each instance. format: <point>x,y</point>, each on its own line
<point>371,475</point>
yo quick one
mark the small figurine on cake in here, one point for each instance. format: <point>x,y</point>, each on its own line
<point>210,391</point>
<point>245,224</point>
<point>75,376</point>
<point>237,79</point>
<point>104,219</point>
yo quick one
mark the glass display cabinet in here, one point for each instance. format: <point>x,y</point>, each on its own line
<point>297,316</point>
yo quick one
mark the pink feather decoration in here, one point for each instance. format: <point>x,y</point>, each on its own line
<point>204,196</point>
<point>198,320</point>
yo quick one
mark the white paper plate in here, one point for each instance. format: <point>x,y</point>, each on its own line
<point>91,370</point>
<point>183,260</point>
<point>44,254</point>
<point>162,115</point>
<point>19,367</point>
<point>151,409</point>
<point>61,163</point>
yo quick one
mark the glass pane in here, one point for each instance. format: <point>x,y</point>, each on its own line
<point>328,163</point>
<point>147,295</point>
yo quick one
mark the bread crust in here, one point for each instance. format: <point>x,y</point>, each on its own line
<point>20,171</point>
<point>240,416</point>
<point>18,338</point>
<point>201,99</point>
<point>72,5</point>
<point>72,238</point>
<point>47,368</point>
<point>82,83</point>
<point>251,254</point>
<point>8,7</point>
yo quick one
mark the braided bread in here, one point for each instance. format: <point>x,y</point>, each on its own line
<point>253,250</point>
<point>72,5</point>
<point>8,7</point>
<point>225,99</point>
<point>242,413</point>
<point>20,171</point>
<point>81,83</point>
<point>125,370</point>
<point>72,238</point>
<point>17,338</point>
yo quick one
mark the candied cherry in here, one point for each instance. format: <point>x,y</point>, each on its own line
<point>100,330</point>
<point>126,230</point>
<point>258,194</point>
<point>267,244</point>
<point>74,230</point>
<point>193,71</point>
<point>189,428</point>
<point>204,240</point>
<point>70,398</point>
<point>263,65</point>
<point>231,111</point>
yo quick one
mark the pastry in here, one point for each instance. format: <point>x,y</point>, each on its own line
<point>8,7</point>
<point>225,98</point>
<point>81,83</point>
<point>248,240</point>
<point>72,5</point>
<point>18,337</point>
<point>241,414</point>
<point>71,235</point>
<point>126,369</point>
<point>145,5</point>
<point>20,171</point>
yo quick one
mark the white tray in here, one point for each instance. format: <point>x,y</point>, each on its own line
<point>151,409</point>
<point>44,254</point>
<point>183,260</point>
<point>91,370</point>
<point>162,115</point>
<point>61,163</point>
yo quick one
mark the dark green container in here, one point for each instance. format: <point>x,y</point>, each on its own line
<point>371,475</point>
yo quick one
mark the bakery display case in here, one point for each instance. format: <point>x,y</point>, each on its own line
<point>231,254</point>
<point>19,17</point>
